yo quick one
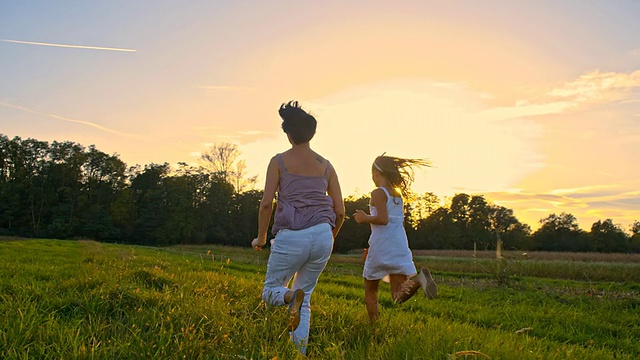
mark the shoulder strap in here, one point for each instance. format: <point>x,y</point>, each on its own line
<point>386,192</point>
<point>326,171</point>
<point>281,163</point>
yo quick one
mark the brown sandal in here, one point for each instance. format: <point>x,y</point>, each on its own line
<point>407,290</point>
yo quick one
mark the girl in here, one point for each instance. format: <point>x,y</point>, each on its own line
<point>389,256</point>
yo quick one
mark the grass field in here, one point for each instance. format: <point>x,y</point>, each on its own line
<point>89,300</point>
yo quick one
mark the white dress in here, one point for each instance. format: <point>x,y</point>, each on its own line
<point>389,251</point>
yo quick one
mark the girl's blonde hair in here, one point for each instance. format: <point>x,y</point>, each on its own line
<point>398,171</point>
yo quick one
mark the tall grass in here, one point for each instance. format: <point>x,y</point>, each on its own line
<point>82,299</point>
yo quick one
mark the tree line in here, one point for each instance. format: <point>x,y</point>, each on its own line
<point>65,190</point>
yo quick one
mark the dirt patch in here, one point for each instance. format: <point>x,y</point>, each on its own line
<point>12,238</point>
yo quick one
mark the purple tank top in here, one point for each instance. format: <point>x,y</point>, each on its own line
<point>302,201</point>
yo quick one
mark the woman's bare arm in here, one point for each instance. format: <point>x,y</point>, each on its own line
<point>335,193</point>
<point>266,204</point>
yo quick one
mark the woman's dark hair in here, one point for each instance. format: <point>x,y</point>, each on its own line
<point>297,123</point>
<point>398,171</point>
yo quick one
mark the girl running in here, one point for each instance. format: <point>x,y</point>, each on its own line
<point>389,257</point>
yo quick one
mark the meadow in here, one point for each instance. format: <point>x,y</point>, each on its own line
<point>88,300</point>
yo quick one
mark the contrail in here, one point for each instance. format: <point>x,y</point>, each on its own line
<point>67,46</point>
<point>99,127</point>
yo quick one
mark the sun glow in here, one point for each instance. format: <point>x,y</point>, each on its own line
<point>418,119</point>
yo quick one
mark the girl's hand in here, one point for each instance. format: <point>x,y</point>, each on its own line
<point>359,216</point>
<point>257,244</point>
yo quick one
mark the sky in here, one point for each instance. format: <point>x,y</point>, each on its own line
<point>533,104</point>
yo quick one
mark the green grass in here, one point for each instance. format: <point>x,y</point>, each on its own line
<point>88,300</point>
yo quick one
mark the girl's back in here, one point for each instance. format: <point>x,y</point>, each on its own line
<point>395,205</point>
<point>393,231</point>
<point>389,251</point>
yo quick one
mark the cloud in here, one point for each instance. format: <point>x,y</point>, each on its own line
<point>251,133</point>
<point>524,109</point>
<point>592,87</point>
<point>87,123</point>
<point>223,88</point>
<point>588,204</point>
<point>585,190</point>
<point>68,46</point>
<point>598,87</point>
<point>219,134</point>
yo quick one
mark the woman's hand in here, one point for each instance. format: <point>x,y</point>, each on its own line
<point>359,216</point>
<point>257,244</point>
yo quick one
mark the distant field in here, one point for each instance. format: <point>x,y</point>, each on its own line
<point>534,255</point>
<point>83,299</point>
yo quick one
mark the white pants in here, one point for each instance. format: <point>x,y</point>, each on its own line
<point>303,254</point>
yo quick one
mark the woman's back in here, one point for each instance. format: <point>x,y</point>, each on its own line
<point>302,199</point>
<point>304,162</point>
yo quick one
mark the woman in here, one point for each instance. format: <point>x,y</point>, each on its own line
<point>309,213</point>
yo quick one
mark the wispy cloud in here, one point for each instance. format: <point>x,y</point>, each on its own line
<point>589,204</point>
<point>584,190</point>
<point>592,87</point>
<point>58,117</point>
<point>221,134</point>
<point>228,88</point>
<point>524,109</point>
<point>597,86</point>
<point>249,133</point>
<point>68,45</point>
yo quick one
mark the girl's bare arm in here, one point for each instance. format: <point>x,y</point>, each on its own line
<point>379,201</point>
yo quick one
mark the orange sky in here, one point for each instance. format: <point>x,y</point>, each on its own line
<point>535,105</point>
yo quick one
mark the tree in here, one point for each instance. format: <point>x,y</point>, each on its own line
<point>44,188</point>
<point>148,204</point>
<point>508,229</point>
<point>223,159</point>
<point>512,232</point>
<point>28,179</point>
<point>561,233</point>
<point>244,218</point>
<point>438,231</point>
<point>635,228</point>
<point>63,188</point>
<point>480,228</point>
<point>217,210</point>
<point>460,214</point>
<point>180,225</point>
<point>353,235</point>
<point>4,158</point>
<point>635,237</point>
<point>608,237</point>
<point>8,199</point>
<point>421,206</point>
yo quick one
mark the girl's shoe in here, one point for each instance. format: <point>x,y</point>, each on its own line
<point>294,309</point>
<point>406,291</point>
<point>426,282</point>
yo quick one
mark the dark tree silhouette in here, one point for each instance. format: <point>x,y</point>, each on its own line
<point>64,190</point>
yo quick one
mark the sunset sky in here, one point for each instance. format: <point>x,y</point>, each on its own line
<point>533,104</point>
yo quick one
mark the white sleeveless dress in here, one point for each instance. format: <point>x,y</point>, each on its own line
<point>389,251</point>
